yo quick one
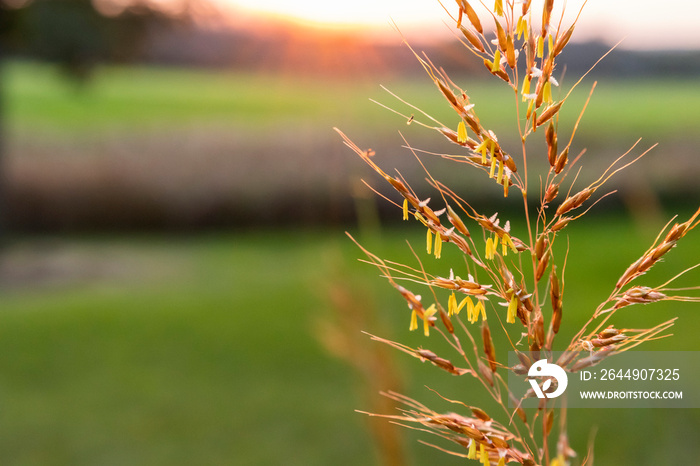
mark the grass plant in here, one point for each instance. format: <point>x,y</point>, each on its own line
<point>510,275</point>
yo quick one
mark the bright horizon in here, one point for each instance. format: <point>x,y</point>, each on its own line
<point>641,23</point>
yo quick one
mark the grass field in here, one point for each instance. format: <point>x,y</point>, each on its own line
<point>131,98</point>
<point>163,146</point>
<point>201,350</point>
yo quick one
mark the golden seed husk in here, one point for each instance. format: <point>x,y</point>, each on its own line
<point>446,321</point>
<point>489,349</point>
<point>549,423</point>
<point>562,41</point>
<point>449,95</point>
<point>542,266</point>
<point>541,246</point>
<point>539,329</point>
<point>473,17</point>
<point>549,113</point>
<point>561,223</point>
<point>473,39</point>
<point>561,161</point>
<point>551,138</point>
<point>551,193</point>
<point>524,359</point>
<point>546,15</point>
<point>662,249</point>
<point>501,35</point>
<point>456,221</point>
<point>535,350</point>
<point>574,201</point>
<point>555,298</point>
<point>481,414</point>
<point>485,372</point>
<point>609,331</point>
<point>601,342</point>
<point>510,51</point>
<point>499,442</point>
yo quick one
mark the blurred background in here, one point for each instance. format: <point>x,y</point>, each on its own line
<point>176,284</point>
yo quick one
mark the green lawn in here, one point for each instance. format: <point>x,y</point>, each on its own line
<point>38,96</point>
<point>201,351</point>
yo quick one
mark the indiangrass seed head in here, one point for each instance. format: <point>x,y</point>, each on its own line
<point>485,438</point>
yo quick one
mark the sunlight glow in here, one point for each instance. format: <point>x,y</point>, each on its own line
<point>348,13</point>
<point>643,23</point>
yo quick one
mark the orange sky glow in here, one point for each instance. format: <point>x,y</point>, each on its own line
<point>642,23</point>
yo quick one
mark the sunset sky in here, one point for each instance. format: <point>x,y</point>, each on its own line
<point>643,23</point>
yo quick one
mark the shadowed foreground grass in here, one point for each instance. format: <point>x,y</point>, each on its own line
<point>200,351</point>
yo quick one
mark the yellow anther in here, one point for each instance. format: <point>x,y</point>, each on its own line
<point>426,319</point>
<point>420,218</point>
<point>489,248</point>
<point>548,92</point>
<point>472,450</point>
<point>414,321</point>
<point>540,47</point>
<point>512,309</point>
<point>496,65</point>
<point>526,87</point>
<point>507,239</point>
<point>479,308</point>
<point>461,305</point>
<point>405,209</point>
<point>461,133</point>
<point>498,7</point>
<point>521,27</point>
<point>438,245</point>
<point>483,455</point>
<point>429,241</point>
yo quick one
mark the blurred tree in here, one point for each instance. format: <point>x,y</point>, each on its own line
<point>77,35</point>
